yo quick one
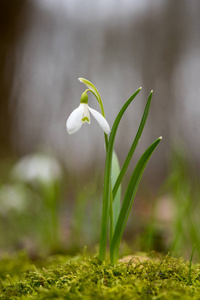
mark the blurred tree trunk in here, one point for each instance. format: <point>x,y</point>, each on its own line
<point>11,12</point>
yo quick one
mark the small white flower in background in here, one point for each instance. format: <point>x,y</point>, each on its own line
<point>81,115</point>
<point>37,168</point>
<point>13,197</point>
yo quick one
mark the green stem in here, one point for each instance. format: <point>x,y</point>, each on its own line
<point>111,214</point>
<point>98,97</point>
<point>105,208</point>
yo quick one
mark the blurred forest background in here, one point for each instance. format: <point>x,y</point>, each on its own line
<point>51,183</point>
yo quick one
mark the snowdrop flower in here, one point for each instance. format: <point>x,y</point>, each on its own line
<point>81,115</point>
<point>13,197</point>
<point>37,168</point>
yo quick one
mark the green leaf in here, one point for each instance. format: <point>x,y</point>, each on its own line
<point>116,201</point>
<point>134,145</point>
<point>107,177</point>
<point>128,200</point>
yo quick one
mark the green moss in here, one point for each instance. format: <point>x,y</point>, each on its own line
<point>62,277</point>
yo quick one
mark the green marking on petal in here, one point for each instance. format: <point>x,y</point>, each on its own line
<point>85,119</point>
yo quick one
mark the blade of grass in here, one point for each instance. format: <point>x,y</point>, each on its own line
<point>106,191</point>
<point>190,265</point>
<point>128,200</point>
<point>134,145</point>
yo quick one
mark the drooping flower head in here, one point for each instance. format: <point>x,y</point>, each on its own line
<point>81,115</point>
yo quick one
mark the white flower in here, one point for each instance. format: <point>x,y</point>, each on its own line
<point>81,115</point>
<point>37,168</point>
<point>13,197</point>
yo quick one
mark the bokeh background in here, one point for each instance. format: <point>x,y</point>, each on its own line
<point>51,183</point>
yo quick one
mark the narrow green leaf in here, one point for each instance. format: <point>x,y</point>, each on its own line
<point>134,145</point>
<point>128,200</point>
<point>107,179</point>
<point>116,201</point>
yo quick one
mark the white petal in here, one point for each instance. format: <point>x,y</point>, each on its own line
<point>100,119</point>
<point>74,122</point>
<point>86,114</point>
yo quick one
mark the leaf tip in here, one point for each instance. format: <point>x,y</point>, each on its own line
<point>160,138</point>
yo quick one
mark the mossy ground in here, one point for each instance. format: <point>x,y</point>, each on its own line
<point>83,277</point>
